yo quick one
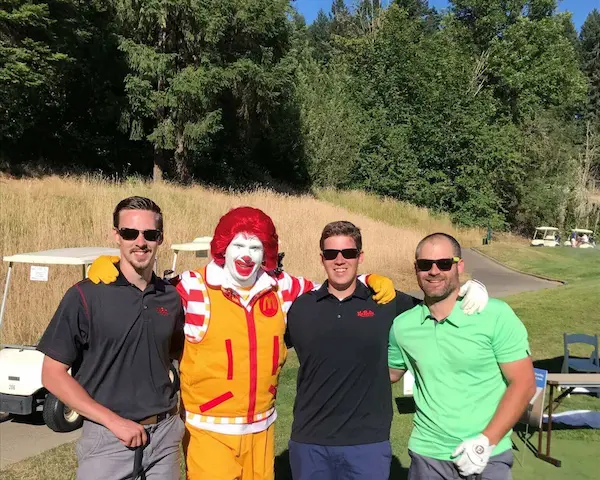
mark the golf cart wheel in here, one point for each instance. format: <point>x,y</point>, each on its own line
<point>59,417</point>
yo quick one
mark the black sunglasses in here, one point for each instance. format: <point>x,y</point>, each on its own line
<point>347,253</point>
<point>444,264</point>
<point>133,233</point>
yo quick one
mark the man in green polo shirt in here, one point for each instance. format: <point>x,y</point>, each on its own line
<point>473,374</point>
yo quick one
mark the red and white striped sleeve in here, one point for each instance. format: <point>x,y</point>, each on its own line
<point>292,287</point>
<point>194,298</point>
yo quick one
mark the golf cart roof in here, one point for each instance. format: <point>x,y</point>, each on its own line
<point>63,256</point>
<point>199,244</point>
<point>546,228</point>
<point>581,230</point>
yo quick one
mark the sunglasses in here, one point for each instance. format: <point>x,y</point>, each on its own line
<point>347,253</point>
<point>133,233</point>
<point>444,264</point>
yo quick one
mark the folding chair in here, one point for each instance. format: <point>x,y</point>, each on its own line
<point>584,365</point>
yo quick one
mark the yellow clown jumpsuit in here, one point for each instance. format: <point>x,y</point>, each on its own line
<point>233,354</point>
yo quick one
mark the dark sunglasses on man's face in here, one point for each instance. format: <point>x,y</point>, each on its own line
<point>444,264</point>
<point>133,233</point>
<point>347,253</point>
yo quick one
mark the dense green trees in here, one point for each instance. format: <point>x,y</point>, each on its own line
<point>490,112</point>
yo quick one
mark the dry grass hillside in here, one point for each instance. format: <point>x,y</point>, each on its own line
<point>55,212</point>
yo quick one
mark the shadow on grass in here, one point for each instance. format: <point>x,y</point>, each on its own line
<point>553,365</point>
<point>405,405</point>
<point>284,472</point>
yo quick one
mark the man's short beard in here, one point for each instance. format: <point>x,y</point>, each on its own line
<point>443,296</point>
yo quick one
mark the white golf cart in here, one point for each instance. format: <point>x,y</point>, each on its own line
<point>200,245</point>
<point>21,389</point>
<point>545,237</point>
<point>581,238</point>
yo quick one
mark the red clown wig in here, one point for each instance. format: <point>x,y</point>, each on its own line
<point>251,221</point>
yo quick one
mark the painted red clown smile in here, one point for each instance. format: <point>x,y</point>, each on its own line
<point>244,266</point>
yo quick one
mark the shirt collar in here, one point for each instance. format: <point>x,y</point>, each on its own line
<point>156,283</point>
<point>216,278</point>
<point>361,291</point>
<point>455,318</point>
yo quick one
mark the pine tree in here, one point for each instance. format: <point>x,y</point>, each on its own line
<point>590,53</point>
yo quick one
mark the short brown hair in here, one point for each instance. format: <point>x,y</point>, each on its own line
<point>138,203</point>
<point>341,228</point>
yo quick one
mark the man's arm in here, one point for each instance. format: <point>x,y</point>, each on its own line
<point>396,364</point>
<point>396,374</point>
<point>57,380</point>
<point>521,389</point>
<point>62,343</point>
<point>511,349</point>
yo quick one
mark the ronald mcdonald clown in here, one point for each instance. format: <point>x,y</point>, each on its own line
<point>235,321</point>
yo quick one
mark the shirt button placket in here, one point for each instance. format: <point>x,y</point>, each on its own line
<point>339,309</point>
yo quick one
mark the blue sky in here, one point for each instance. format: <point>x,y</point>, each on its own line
<point>579,8</point>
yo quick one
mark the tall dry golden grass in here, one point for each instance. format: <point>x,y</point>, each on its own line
<point>55,212</point>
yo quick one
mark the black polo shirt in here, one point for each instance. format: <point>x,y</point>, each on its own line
<point>119,341</point>
<point>343,393</point>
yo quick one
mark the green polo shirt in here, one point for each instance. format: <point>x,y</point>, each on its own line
<point>455,362</point>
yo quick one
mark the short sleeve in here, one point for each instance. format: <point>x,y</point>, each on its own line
<point>395,356</point>
<point>67,332</point>
<point>510,342</point>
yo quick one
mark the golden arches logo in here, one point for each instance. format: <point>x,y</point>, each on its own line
<point>269,305</point>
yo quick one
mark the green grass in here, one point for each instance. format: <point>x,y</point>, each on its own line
<point>546,313</point>
<point>561,263</point>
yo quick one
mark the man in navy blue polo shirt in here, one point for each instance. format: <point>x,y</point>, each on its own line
<point>343,408</point>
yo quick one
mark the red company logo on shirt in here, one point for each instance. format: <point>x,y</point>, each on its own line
<point>365,313</point>
<point>162,311</point>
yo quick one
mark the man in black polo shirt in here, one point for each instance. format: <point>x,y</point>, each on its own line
<point>119,339</point>
<point>343,408</point>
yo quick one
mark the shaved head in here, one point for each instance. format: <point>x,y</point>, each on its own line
<point>434,237</point>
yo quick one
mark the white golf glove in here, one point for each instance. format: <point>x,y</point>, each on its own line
<point>475,297</point>
<point>475,455</point>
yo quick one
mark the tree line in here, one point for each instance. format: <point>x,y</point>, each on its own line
<point>489,111</point>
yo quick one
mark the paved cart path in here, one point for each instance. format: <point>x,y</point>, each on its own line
<point>28,436</point>
<point>24,437</point>
<point>499,280</point>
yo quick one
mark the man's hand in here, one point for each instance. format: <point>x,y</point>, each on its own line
<point>130,433</point>
<point>103,269</point>
<point>474,455</point>
<point>475,297</point>
<point>383,288</point>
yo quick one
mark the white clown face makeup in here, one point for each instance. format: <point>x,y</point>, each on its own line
<point>243,258</point>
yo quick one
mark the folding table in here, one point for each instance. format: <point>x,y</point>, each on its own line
<point>569,381</point>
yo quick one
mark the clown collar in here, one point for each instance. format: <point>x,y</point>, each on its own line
<point>216,278</point>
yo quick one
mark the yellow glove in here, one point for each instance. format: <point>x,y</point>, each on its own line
<point>103,269</point>
<point>383,288</point>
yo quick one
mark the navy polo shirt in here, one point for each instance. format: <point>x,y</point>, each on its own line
<point>119,341</point>
<point>343,387</point>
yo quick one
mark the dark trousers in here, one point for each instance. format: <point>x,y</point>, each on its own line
<point>369,461</point>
